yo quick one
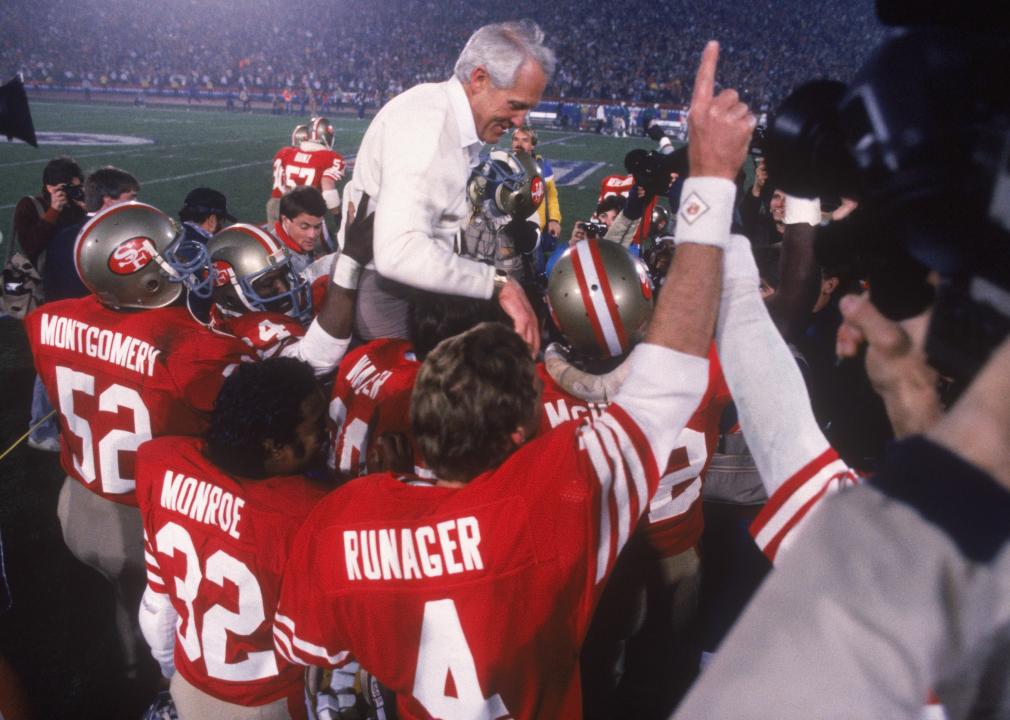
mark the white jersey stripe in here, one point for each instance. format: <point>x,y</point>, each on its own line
<point>607,322</point>
<point>283,646</point>
<point>632,460</point>
<point>591,442</point>
<point>306,647</point>
<point>800,497</point>
<point>620,483</point>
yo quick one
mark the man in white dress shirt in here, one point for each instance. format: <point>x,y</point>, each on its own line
<point>415,160</point>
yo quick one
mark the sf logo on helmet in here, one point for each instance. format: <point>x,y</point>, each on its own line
<point>131,256</point>
<point>537,190</point>
<point>222,273</point>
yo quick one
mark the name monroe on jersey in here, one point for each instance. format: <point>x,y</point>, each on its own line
<point>202,501</point>
<point>446,548</point>
<point>109,346</point>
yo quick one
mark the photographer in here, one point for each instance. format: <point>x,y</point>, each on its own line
<point>104,187</point>
<point>37,218</point>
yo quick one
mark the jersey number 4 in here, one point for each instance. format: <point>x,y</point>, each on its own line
<point>444,654</point>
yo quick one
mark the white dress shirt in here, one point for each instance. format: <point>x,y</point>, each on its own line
<point>414,163</point>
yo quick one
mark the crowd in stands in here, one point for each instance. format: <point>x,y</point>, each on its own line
<point>643,53</point>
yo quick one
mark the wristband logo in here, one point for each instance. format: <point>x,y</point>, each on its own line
<point>131,256</point>
<point>692,208</point>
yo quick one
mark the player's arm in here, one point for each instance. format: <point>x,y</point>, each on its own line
<point>306,628</point>
<point>157,616</point>
<point>329,335</point>
<point>328,184</point>
<point>797,465</point>
<point>642,427</point>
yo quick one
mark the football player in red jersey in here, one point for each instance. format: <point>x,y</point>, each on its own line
<point>219,514</point>
<point>371,395</point>
<point>123,365</point>
<point>601,299</point>
<point>470,596</point>
<point>258,297</point>
<point>309,160</point>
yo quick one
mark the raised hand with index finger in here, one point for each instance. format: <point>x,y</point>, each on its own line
<point>719,125</point>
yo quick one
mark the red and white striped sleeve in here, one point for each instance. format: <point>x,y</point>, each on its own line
<point>305,623</point>
<point>775,528</point>
<point>154,578</point>
<point>336,169</point>
<point>629,445</point>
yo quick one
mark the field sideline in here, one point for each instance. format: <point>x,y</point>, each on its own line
<point>232,152</point>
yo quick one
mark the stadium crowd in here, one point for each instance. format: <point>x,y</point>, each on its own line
<point>611,52</point>
<point>419,446</point>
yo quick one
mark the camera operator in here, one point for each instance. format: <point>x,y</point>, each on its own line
<point>898,587</point>
<point>103,188</point>
<point>37,219</point>
<point>61,203</point>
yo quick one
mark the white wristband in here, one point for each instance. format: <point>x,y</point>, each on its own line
<point>802,210</point>
<point>706,211</point>
<point>332,198</point>
<point>665,146</point>
<point>346,272</point>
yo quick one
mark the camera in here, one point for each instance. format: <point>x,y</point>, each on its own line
<point>757,142</point>
<point>592,229</point>
<point>921,138</point>
<point>73,192</point>
<point>652,169</point>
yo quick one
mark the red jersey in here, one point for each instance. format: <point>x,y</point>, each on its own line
<point>674,522</point>
<point>473,601</point>
<point>216,545</point>
<point>371,396</point>
<point>622,185</point>
<point>615,185</point>
<point>120,378</point>
<point>265,333</point>
<point>305,165</point>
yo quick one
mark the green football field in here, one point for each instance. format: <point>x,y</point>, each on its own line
<point>232,152</point>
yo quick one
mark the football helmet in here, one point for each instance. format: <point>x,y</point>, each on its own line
<point>133,255</point>
<point>299,135</point>
<point>252,273</point>
<point>507,183</point>
<point>660,221</point>
<point>600,297</point>
<point>321,131</point>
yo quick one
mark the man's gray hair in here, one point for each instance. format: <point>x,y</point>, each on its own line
<point>501,49</point>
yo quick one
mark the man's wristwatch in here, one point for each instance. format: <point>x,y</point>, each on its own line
<point>500,279</point>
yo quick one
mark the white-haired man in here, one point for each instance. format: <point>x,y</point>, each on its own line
<point>415,160</point>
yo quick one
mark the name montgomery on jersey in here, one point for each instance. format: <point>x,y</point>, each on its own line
<point>106,345</point>
<point>447,548</point>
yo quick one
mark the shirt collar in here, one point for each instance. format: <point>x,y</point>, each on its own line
<point>468,139</point>
<point>286,239</point>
